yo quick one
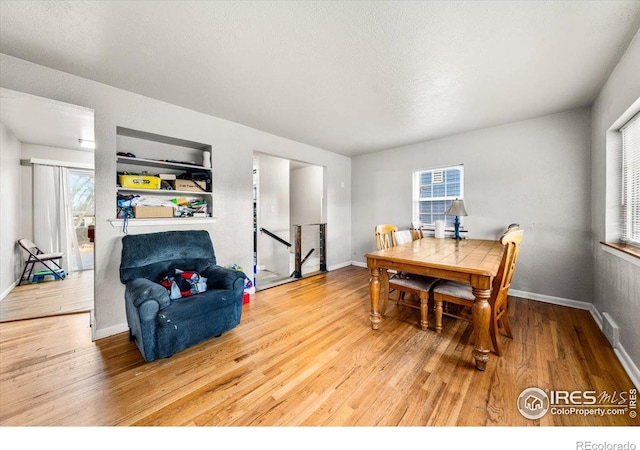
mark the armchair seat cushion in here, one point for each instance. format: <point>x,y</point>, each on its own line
<point>203,305</point>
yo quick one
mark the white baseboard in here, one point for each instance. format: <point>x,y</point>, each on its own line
<point>9,289</point>
<point>551,299</point>
<point>340,265</point>
<point>628,365</point>
<point>106,332</point>
<point>359,264</point>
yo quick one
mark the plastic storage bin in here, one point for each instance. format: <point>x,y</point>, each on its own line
<point>139,181</point>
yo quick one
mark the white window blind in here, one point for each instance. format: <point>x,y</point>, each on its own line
<point>631,180</point>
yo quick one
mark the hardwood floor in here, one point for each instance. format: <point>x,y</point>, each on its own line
<point>49,298</point>
<point>304,354</point>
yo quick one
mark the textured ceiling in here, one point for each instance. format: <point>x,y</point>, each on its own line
<point>351,76</point>
<point>34,120</point>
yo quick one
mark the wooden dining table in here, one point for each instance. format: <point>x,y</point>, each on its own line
<point>471,261</point>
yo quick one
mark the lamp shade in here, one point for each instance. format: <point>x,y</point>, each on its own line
<point>456,209</point>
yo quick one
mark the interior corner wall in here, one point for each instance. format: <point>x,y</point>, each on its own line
<point>233,146</point>
<point>535,172</point>
<point>10,258</point>
<point>616,280</point>
<point>307,198</point>
<point>273,213</point>
<point>306,195</point>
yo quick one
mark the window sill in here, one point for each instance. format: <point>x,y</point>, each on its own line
<point>629,253</point>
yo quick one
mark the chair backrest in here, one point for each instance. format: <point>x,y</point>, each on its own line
<point>511,240</point>
<point>385,236</point>
<point>29,246</point>
<point>403,236</point>
<point>510,228</point>
<point>416,231</point>
<point>152,255</point>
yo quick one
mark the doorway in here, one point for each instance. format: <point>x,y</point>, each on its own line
<point>289,207</point>
<point>56,139</point>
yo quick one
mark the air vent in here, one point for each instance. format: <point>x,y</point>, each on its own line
<point>438,176</point>
<point>610,329</point>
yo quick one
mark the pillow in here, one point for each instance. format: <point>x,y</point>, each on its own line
<point>181,283</point>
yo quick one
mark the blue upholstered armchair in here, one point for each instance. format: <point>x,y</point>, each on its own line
<point>162,326</point>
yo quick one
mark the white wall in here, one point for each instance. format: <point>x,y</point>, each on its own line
<point>273,213</point>
<point>306,195</point>
<point>535,172</point>
<point>233,147</point>
<point>307,204</point>
<point>616,280</point>
<point>10,258</point>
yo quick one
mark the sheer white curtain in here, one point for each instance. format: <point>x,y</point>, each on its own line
<point>53,229</point>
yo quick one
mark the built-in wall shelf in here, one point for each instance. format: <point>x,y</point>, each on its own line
<point>118,223</point>
<point>154,155</point>
<point>164,164</point>
<point>169,192</point>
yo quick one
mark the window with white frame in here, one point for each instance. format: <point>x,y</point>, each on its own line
<point>631,181</point>
<point>433,191</point>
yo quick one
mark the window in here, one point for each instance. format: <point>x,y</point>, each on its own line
<point>433,191</point>
<point>82,196</point>
<point>631,181</point>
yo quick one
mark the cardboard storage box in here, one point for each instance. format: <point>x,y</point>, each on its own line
<point>188,185</point>
<point>148,212</point>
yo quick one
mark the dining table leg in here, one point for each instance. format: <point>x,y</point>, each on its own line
<point>481,323</point>
<point>374,291</point>
<point>379,293</point>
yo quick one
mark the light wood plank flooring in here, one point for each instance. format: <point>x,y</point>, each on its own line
<point>305,354</point>
<point>49,298</point>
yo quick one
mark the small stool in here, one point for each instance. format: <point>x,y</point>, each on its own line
<point>39,276</point>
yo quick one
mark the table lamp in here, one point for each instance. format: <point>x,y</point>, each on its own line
<point>456,209</point>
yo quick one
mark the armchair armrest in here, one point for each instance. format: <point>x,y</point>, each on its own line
<point>219,277</point>
<point>140,290</point>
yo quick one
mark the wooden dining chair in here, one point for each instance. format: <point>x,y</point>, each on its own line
<point>405,283</point>
<point>511,227</point>
<point>416,230</point>
<point>403,236</point>
<point>462,294</point>
<point>385,236</point>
